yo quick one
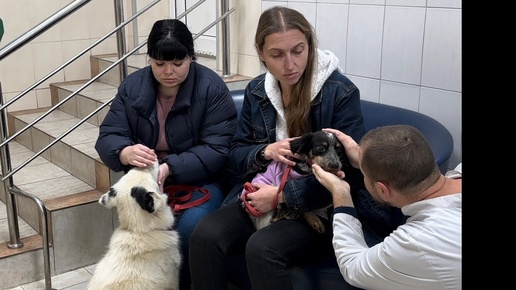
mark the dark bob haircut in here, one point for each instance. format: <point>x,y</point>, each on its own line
<point>170,39</point>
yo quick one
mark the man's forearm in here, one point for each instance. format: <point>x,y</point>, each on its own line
<point>342,198</point>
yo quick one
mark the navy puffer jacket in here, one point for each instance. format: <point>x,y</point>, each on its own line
<point>199,127</point>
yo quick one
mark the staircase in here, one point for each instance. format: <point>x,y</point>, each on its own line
<point>69,177</point>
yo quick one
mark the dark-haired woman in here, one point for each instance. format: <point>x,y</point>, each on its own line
<point>176,111</point>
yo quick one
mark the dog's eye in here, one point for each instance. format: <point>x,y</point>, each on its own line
<point>320,149</point>
<point>339,149</point>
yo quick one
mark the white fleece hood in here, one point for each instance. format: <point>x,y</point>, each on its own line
<point>326,64</point>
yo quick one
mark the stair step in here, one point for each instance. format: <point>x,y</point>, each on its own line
<point>74,154</point>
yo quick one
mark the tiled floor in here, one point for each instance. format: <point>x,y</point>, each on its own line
<point>73,280</point>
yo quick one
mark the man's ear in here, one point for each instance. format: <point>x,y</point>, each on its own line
<point>384,191</point>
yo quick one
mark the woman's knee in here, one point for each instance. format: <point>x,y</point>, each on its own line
<point>259,246</point>
<point>205,229</point>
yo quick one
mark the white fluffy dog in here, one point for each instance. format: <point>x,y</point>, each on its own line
<point>143,252</point>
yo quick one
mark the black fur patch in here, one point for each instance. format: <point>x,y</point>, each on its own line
<point>143,198</point>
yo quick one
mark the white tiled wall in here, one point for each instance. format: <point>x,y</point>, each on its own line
<point>406,53</point>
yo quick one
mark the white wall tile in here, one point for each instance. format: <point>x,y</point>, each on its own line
<point>20,60</point>
<point>445,3</point>
<point>307,9</point>
<point>369,88</point>
<point>79,68</point>
<point>399,95</point>
<point>201,17</point>
<point>364,40</point>
<point>249,65</point>
<point>106,46</point>
<point>47,57</point>
<point>103,20</point>
<point>11,13</point>
<point>445,107</point>
<point>418,3</point>
<point>331,29</point>
<point>442,51</point>
<point>332,1</point>
<point>40,11</point>
<point>74,27</point>
<point>243,27</point>
<point>403,44</point>
<point>269,4</point>
<point>368,2</point>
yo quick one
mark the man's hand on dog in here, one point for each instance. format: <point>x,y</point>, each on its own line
<point>335,183</point>
<point>350,146</point>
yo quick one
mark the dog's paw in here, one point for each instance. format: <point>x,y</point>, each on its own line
<point>315,222</point>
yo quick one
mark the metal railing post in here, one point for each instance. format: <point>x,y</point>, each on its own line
<point>10,202</point>
<point>120,38</point>
<point>224,7</point>
<point>134,10</point>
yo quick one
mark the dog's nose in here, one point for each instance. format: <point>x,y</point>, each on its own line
<point>334,165</point>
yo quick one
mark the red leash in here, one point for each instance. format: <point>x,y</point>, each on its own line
<point>180,203</point>
<point>250,188</point>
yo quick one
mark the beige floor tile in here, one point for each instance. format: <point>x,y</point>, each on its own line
<point>62,281</point>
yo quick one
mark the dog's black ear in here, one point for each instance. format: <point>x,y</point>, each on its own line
<point>143,198</point>
<point>302,145</point>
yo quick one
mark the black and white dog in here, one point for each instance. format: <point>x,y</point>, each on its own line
<point>318,147</point>
<point>143,251</point>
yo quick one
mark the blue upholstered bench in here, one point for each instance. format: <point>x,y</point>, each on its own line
<point>325,274</point>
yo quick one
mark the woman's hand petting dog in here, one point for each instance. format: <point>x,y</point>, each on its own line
<point>137,155</point>
<point>164,172</point>
<point>280,151</point>
<point>263,198</point>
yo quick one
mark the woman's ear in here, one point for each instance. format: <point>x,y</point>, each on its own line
<point>260,53</point>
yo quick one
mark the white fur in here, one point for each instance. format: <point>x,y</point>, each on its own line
<point>143,253</point>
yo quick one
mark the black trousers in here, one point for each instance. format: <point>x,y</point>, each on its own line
<point>270,252</point>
